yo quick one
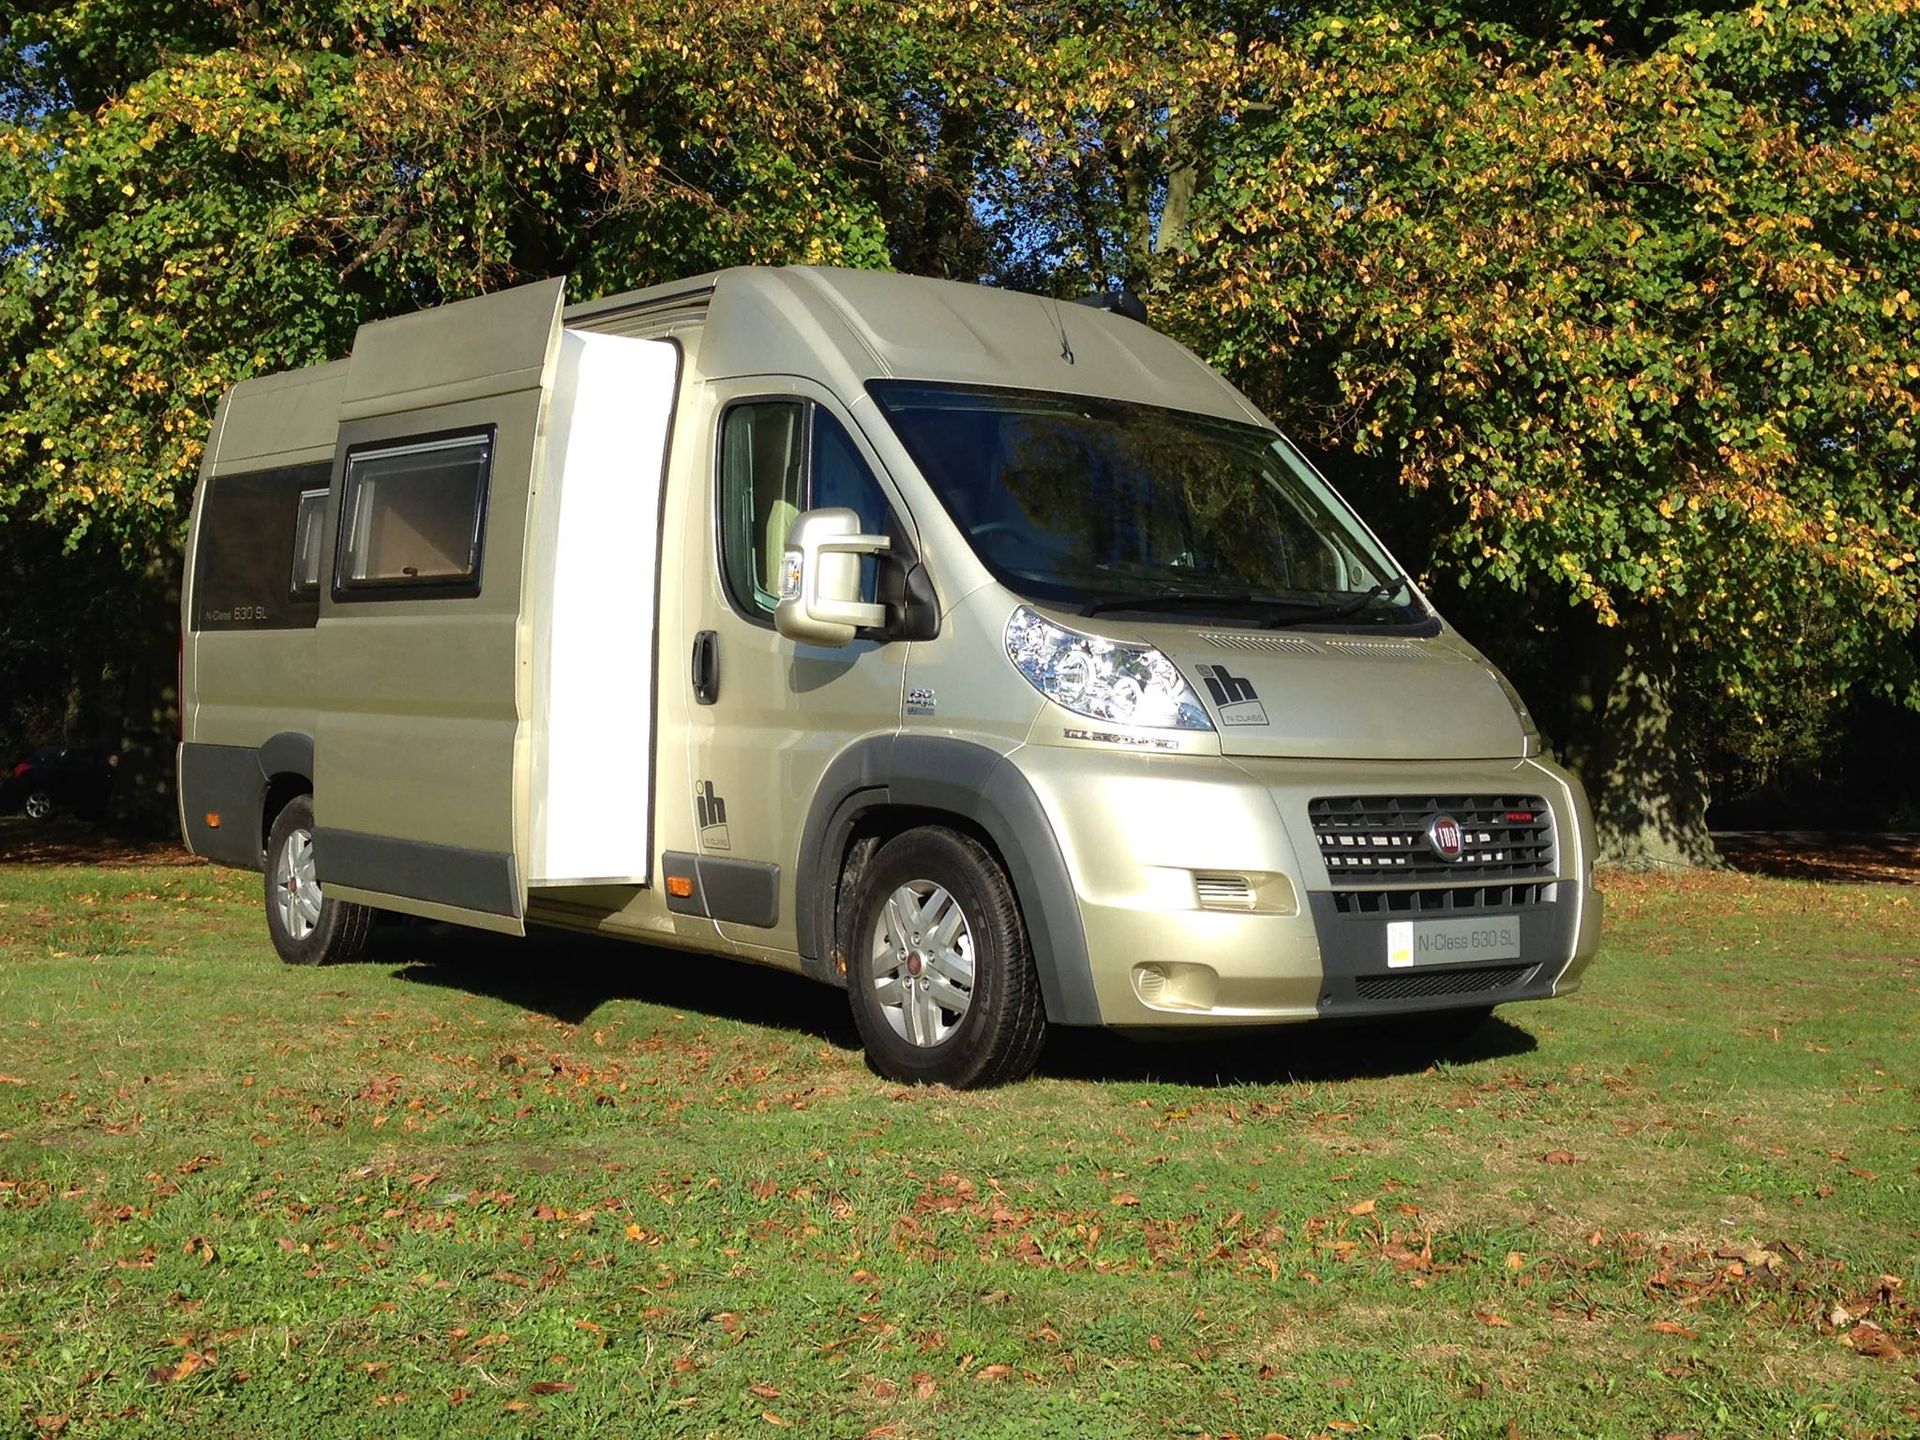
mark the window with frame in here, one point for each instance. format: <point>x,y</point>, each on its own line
<point>413,516</point>
<point>249,527</point>
<point>309,529</point>
<point>778,458</point>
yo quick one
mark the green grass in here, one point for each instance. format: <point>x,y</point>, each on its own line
<point>563,1188</point>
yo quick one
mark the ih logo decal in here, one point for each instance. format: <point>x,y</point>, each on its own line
<point>1235,698</point>
<point>711,810</point>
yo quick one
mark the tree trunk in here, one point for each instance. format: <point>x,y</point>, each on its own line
<point>1632,752</point>
<point>1181,184</point>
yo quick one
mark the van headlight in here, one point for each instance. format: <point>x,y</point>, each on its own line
<point>1100,678</point>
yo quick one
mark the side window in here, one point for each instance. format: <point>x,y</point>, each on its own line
<point>762,485</point>
<point>249,526</point>
<point>841,477</point>
<point>307,530</point>
<point>412,517</point>
<point>778,458</point>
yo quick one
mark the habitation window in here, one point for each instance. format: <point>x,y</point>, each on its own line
<point>308,527</point>
<point>778,458</point>
<point>249,523</point>
<point>412,516</point>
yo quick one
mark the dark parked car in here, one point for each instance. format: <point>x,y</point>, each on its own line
<point>56,779</point>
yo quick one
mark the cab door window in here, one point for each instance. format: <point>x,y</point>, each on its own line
<point>778,458</point>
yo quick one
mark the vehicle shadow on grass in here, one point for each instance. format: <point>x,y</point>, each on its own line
<point>1282,1055</point>
<point>570,977</point>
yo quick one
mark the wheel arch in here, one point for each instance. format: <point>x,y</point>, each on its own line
<point>883,785</point>
<point>286,771</point>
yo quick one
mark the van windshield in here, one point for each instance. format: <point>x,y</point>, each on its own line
<point>1101,505</point>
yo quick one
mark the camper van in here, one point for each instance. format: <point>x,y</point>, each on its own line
<point>986,656</point>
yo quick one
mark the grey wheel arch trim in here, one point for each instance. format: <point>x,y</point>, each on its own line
<point>974,783</point>
<point>288,753</point>
<point>234,780</point>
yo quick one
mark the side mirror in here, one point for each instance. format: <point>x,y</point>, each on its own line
<point>820,579</point>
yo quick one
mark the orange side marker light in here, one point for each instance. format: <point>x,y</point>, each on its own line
<point>213,819</point>
<point>680,887</point>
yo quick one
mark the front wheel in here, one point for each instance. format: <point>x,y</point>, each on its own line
<point>38,806</point>
<point>308,926</point>
<point>941,976</point>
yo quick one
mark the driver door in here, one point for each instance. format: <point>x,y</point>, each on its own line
<point>763,735</point>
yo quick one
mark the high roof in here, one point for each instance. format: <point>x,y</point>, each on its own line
<point>846,327</point>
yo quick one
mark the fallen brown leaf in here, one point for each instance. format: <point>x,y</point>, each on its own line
<point>1365,1207</point>
<point>1487,1317</point>
<point>1674,1327</point>
<point>1557,1157</point>
<point>1870,1340</point>
<point>188,1363</point>
<point>549,1387</point>
<point>994,1372</point>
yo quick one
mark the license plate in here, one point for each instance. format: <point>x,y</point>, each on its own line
<point>1452,942</point>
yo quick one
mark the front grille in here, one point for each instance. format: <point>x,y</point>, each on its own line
<point>1420,984</point>
<point>1383,839</point>
<point>1459,900</point>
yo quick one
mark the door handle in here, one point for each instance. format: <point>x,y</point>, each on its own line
<point>706,667</point>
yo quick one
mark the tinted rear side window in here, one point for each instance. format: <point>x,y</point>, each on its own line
<point>240,574</point>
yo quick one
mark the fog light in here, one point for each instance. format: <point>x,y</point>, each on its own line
<point>1176,985</point>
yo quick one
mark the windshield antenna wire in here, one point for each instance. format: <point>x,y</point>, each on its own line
<point>1060,324</point>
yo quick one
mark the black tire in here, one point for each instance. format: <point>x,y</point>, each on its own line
<point>341,928</point>
<point>997,1039</point>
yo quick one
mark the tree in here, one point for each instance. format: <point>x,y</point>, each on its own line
<point>1609,323</point>
<point>1616,336</point>
<point>193,195</point>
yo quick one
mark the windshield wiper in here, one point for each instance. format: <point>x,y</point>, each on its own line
<point>1386,589</point>
<point>1170,600</point>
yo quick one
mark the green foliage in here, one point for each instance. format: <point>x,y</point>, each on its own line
<point>242,209</point>
<point>1612,309</point>
<point>1637,332</point>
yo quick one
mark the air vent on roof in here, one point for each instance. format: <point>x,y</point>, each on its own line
<point>1119,302</point>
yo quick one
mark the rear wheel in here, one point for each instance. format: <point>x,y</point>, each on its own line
<point>940,974</point>
<point>308,926</point>
<point>38,806</point>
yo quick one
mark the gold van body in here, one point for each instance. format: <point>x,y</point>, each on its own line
<point>520,675</point>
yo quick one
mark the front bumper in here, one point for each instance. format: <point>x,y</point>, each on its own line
<point>1139,832</point>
